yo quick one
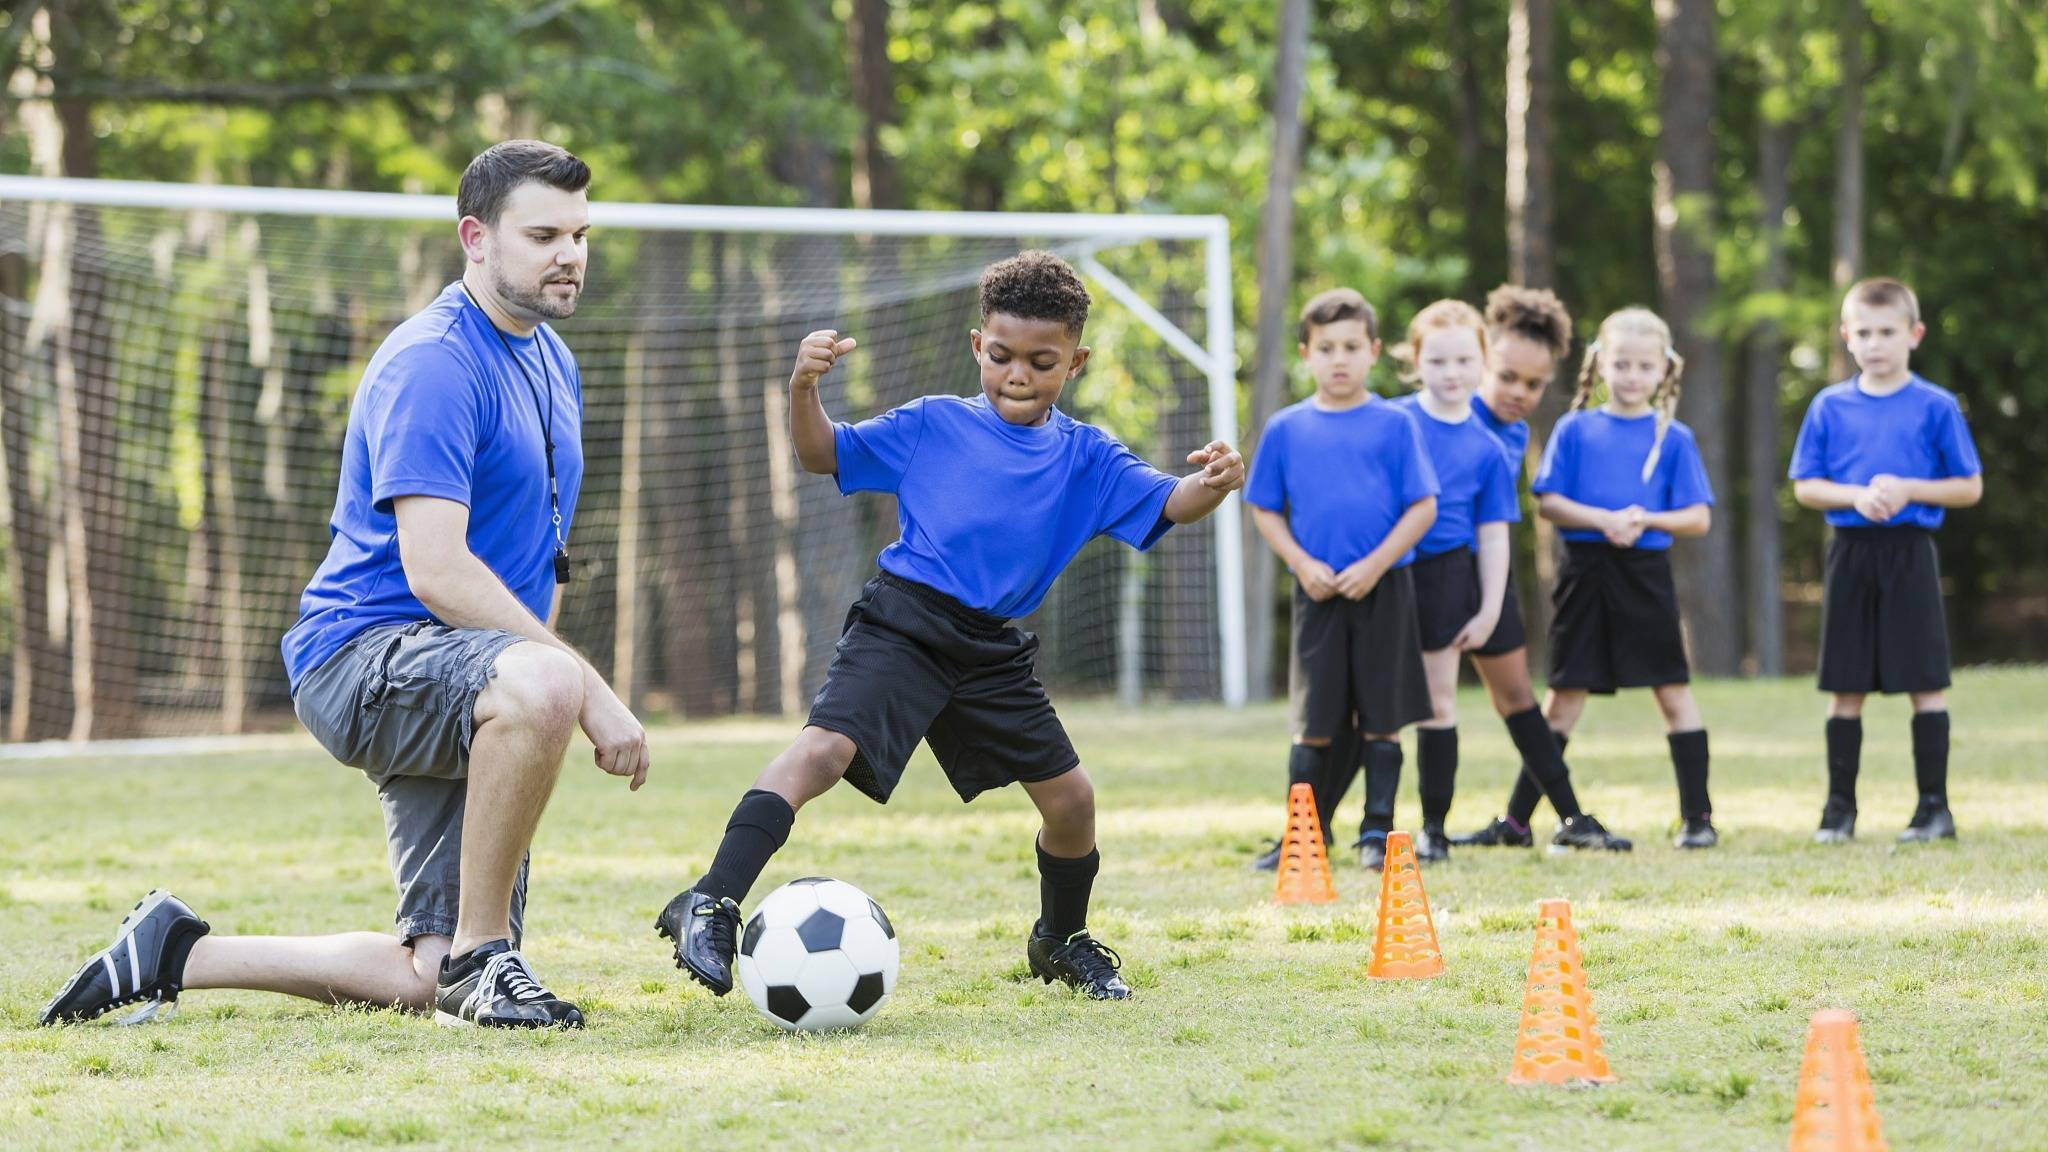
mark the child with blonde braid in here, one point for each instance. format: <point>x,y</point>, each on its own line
<point>1622,480</point>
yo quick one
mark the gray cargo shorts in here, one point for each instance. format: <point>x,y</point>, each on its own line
<point>398,703</point>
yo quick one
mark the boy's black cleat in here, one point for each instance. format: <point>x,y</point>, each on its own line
<point>1431,845</point>
<point>1931,821</point>
<point>493,987</point>
<point>706,933</point>
<point>1268,860</point>
<point>1698,832</point>
<point>1497,834</point>
<point>145,964</point>
<point>1837,822</point>
<point>1080,961</point>
<point>1372,850</point>
<point>1586,833</point>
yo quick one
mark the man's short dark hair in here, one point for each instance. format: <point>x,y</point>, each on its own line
<point>1336,306</point>
<point>491,178</point>
<point>1035,285</point>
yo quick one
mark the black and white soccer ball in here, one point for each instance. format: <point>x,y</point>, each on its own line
<point>818,954</point>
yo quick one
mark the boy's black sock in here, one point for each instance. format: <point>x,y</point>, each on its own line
<point>1382,781</point>
<point>1845,756</point>
<point>1305,765</point>
<point>759,826</point>
<point>1340,766</point>
<point>1436,772</point>
<point>1543,768</point>
<point>1689,761</point>
<point>1063,886</point>
<point>1930,753</point>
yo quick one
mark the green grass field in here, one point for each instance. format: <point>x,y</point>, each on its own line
<point>1254,1026</point>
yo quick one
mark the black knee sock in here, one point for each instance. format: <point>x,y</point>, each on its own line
<point>1064,883</point>
<point>1845,756</point>
<point>1382,781</point>
<point>1543,768</point>
<point>1930,753</point>
<point>1305,765</point>
<point>759,826</point>
<point>1340,766</point>
<point>1689,761</point>
<point>1436,773</point>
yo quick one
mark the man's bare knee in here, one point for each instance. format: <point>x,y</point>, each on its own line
<point>533,685</point>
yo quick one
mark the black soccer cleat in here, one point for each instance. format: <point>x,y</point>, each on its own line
<point>1586,833</point>
<point>706,932</point>
<point>1080,961</point>
<point>493,987</point>
<point>1498,833</point>
<point>1268,860</point>
<point>1431,845</point>
<point>145,964</point>
<point>1698,832</point>
<point>1931,821</point>
<point>1837,822</point>
<point>1372,850</point>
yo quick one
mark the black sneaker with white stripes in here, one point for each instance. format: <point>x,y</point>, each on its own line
<point>1080,962</point>
<point>492,987</point>
<point>144,965</point>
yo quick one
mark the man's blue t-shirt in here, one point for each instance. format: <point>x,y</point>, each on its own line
<point>1343,479</point>
<point>1596,458</point>
<point>1512,434</point>
<point>443,411</point>
<point>1473,481</point>
<point>990,511</point>
<point>1916,433</point>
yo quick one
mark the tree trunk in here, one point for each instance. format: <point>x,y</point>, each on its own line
<point>1531,80</point>
<point>1847,264</point>
<point>1274,339</point>
<point>1467,114</point>
<point>874,93</point>
<point>224,527</point>
<point>40,695</point>
<point>1766,351</point>
<point>1684,192</point>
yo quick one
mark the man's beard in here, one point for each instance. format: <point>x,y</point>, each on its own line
<point>536,299</point>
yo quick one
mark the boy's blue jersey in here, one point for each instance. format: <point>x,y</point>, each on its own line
<point>1474,485</point>
<point>1916,433</point>
<point>1343,479</point>
<point>1512,434</point>
<point>1596,458</point>
<point>990,511</point>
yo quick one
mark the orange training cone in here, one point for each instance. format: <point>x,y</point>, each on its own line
<point>1836,1110</point>
<point>1304,873</point>
<point>1404,944</point>
<point>1559,1042</point>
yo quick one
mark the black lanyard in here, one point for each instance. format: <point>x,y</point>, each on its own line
<point>547,431</point>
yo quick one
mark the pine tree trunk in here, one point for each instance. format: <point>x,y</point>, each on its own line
<point>1531,79</point>
<point>1847,263</point>
<point>1766,352</point>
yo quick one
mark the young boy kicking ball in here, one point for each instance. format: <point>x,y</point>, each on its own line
<point>995,494</point>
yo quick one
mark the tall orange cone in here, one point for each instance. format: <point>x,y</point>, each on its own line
<point>1404,944</point>
<point>1304,873</point>
<point>1559,1040</point>
<point>1835,1111</point>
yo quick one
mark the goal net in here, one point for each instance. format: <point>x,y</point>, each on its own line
<point>177,363</point>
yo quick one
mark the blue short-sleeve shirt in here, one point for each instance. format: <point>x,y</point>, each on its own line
<point>991,511</point>
<point>1596,458</point>
<point>1917,433</point>
<point>1343,479</point>
<point>1474,484</point>
<point>1512,434</point>
<point>445,411</point>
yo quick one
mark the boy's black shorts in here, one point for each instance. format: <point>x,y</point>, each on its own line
<point>915,664</point>
<point>1882,627</point>
<point>1446,595</point>
<point>1361,657</point>
<point>1617,622</point>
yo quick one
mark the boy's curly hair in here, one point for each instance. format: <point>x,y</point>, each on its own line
<point>1533,313</point>
<point>1035,285</point>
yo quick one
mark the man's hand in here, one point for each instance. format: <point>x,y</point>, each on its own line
<point>1875,504</point>
<point>1222,467</point>
<point>816,356</point>
<point>1476,632</point>
<point>1357,581</point>
<point>1317,579</point>
<point>619,741</point>
<point>1624,526</point>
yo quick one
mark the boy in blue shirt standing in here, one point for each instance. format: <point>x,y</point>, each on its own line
<point>995,494</point>
<point>1342,490</point>
<point>1883,454</point>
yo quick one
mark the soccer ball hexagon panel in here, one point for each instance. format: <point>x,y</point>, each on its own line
<point>818,954</point>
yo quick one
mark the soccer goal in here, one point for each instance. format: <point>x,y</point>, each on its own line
<point>177,361</point>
